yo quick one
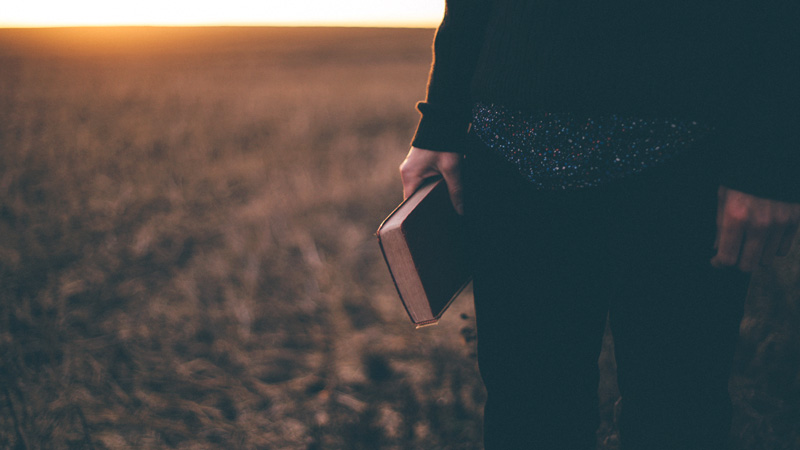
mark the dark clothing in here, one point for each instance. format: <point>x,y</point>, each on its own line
<point>733,64</point>
<point>550,266</point>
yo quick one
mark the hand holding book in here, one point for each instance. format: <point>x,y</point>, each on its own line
<point>420,165</point>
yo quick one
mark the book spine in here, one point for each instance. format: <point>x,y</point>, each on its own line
<point>400,294</point>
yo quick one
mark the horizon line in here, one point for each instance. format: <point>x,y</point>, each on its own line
<point>387,24</point>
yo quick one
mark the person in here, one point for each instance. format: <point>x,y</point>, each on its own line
<point>620,160</point>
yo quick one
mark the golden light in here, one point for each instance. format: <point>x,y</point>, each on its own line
<point>45,13</point>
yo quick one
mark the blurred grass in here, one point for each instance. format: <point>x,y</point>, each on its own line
<point>187,259</point>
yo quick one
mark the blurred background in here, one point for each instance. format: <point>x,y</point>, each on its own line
<point>187,257</point>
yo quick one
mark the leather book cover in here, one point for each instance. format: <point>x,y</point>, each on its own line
<point>423,244</point>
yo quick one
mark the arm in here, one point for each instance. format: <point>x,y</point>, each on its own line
<point>760,130</point>
<point>759,202</point>
<point>439,137</point>
<point>456,47</point>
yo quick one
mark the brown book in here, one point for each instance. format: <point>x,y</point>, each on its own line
<point>423,244</point>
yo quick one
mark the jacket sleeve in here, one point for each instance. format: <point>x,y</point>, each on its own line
<point>763,134</point>
<point>445,113</point>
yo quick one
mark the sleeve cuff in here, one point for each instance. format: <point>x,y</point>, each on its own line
<point>763,160</point>
<point>440,130</point>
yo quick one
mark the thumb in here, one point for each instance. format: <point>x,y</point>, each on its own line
<point>454,186</point>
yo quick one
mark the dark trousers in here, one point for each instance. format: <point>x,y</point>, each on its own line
<point>550,267</point>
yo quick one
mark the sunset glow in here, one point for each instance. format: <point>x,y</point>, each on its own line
<point>48,13</point>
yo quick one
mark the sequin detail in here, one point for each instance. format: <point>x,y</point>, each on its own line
<point>561,151</point>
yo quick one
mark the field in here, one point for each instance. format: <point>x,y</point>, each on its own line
<point>187,256</point>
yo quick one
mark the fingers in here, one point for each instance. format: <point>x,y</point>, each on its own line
<point>421,164</point>
<point>786,217</point>
<point>791,229</point>
<point>418,166</point>
<point>771,247</point>
<point>761,226</point>
<point>786,240</point>
<point>755,240</point>
<point>452,176</point>
<point>411,183</point>
<point>730,232</point>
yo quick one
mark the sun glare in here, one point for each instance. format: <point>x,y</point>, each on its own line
<point>48,13</point>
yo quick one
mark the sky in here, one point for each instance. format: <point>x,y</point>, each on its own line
<point>47,13</point>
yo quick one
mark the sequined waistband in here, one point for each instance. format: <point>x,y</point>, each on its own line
<point>568,151</point>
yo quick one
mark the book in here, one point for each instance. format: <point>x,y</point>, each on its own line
<point>423,244</point>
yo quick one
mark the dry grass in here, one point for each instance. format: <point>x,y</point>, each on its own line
<point>187,259</point>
